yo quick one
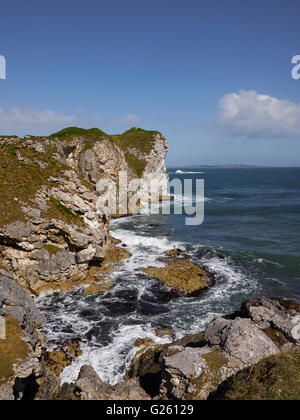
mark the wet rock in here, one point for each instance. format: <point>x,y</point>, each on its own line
<point>182,276</point>
<point>56,361</point>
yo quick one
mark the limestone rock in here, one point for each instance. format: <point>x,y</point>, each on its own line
<point>52,228</point>
<point>90,387</point>
<point>22,347</point>
<point>194,367</point>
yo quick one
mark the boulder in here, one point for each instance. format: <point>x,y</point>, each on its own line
<point>21,361</point>
<point>194,366</point>
<point>89,386</point>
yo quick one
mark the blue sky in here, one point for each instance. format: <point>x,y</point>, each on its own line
<point>162,65</point>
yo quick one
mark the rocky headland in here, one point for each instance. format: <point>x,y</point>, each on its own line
<point>54,236</point>
<point>51,229</point>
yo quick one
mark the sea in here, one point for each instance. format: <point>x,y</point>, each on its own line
<point>249,240</point>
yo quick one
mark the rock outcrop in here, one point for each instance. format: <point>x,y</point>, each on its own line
<point>194,367</point>
<point>21,351</point>
<point>89,386</point>
<point>52,226</point>
<point>181,275</point>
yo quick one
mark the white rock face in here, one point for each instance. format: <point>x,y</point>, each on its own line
<point>47,246</point>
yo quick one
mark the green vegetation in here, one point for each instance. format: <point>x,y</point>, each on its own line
<point>136,138</point>
<point>137,165</point>
<point>215,360</point>
<point>275,378</point>
<point>61,212</point>
<point>19,181</point>
<point>72,132</point>
<point>91,136</point>
<point>12,349</point>
<point>52,249</point>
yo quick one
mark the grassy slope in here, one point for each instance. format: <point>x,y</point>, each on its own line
<point>19,182</point>
<point>12,349</point>
<point>275,378</point>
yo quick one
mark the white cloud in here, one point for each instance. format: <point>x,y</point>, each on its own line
<point>251,114</point>
<point>18,118</point>
<point>129,120</point>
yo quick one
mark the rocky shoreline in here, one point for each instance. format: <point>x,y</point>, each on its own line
<point>54,238</point>
<point>52,228</point>
<point>192,368</point>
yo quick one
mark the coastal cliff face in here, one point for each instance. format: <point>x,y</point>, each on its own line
<point>21,350</point>
<point>52,229</point>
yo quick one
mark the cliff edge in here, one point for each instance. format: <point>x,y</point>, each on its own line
<point>52,230</point>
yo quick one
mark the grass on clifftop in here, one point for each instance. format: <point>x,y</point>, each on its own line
<point>142,141</point>
<point>136,138</point>
<point>275,378</point>
<point>72,132</point>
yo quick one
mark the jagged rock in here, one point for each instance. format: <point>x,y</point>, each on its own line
<point>48,386</point>
<point>182,276</point>
<point>89,386</point>
<point>57,360</point>
<point>280,314</point>
<point>194,367</point>
<point>213,333</point>
<point>21,349</point>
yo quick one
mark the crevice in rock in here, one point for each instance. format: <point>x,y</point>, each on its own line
<point>68,150</point>
<point>151,383</point>
<point>11,243</point>
<point>25,388</point>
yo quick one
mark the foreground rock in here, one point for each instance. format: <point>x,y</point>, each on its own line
<point>194,367</point>
<point>182,276</point>
<point>264,336</point>
<point>89,386</point>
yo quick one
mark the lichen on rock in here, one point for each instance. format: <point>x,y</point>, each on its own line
<point>181,275</point>
<point>195,366</point>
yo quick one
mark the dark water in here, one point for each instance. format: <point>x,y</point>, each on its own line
<point>249,240</point>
